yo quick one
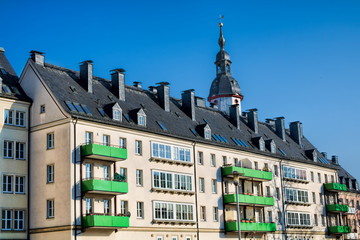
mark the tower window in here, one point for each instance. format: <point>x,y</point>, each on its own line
<point>228,68</point>
<point>218,70</point>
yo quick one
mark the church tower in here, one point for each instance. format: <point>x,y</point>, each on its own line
<point>225,90</point>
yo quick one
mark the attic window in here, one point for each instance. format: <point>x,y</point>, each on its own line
<point>239,142</point>
<point>161,126</point>
<point>70,106</point>
<point>261,144</point>
<point>111,98</point>
<point>272,147</point>
<point>194,132</point>
<point>141,118</point>
<point>282,151</point>
<point>101,111</point>
<point>2,70</point>
<point>207,133</point>
<point>116,112</point>
<point>127,117</point>
<point>86,109</point>
<point>78,107</point>
<point>73,88</point>
<point>6,89</point>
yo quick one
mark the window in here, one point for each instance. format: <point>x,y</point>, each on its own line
<point>213,185</point>
<point>106,172</point>
<point>326,178</point>
<point>332,178</point>
<point>207,133</point>
<point>314,197</point>
<point>213,160</point>
<point>49,173</point>
<point>6,220</point>
<point>8,149</point>
<point>20,119</point>
<point>123,207</point>
<point>170,152</point>
<point>312,176</point>
<point>268,194</point>
<point>296,195</point>
<point>224,160</point>
<point>88,170</point>
<point>319,177</point>
<point>172,181</point>
<point>141,118</point>
<point>173,211</point>
<point>236,162</point>
<point>277,193</point>
<point>256,164</point>
<point>200,158</point>
<point>19,184</point>
<point>226,187</point>
<point>269,216</point>
<point>315,220</point>
<point>50,207</point>
<point>139,209</point>
<point>88,206</point>
<point>202,184</point>
<point>20,151</point>
<point>8,184</point>
<point>139,177</point>
<point>106,140</point>
<point>19,220</point>
<point>9,117</point>
<point>187,238</point>
<point>276,170</point>
<point>322,220</point>
<point>298,219</point>
<point>159,238</point>
<point>294,173</point>
<point>123,173</point>
<point>122,143</point>
<point>174,238</point>
<point>279,217</point>
<point>50,143</point>
<point>117,115</point>
<point>42,108</point>
<point>215,214</point>
<point>106,206</point>
<point>352,203</point>
<point>202,213</point>
<point>138,147</point>
<point>321,199</point>
<point>88,137</point>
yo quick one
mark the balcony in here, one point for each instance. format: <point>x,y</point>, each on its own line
<point>339,229</point>
<point>104,186</point>
<point>103,152</point>
<point>351,211</point>
<point>336,208</point>
<point>351,236</point>
<point>249,200</point>
<point>247,173</point>
<point>335,187</point>
<point>232,226</point>
<point>103,221</point>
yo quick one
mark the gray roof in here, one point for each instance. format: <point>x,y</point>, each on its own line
<point>224,84</point>
<point>64,84</point>
<point>10,80</point>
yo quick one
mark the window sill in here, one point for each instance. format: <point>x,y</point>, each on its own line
<point>172,191</point>
<point>298,203</point>
<point>300,226</point>
<point>173,222</point>
<point>171,161</point>
<point>13,230</point>
<point>295,180</point>
<point>21,159</point>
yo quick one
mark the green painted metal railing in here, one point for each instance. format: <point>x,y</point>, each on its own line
<point>105,221</point>
<point>337,208</point>
<point>339,229</point>
<point>335,187</point>
<point>246,172</point>
<point>103,150</point>
<point>104,185</point>
<point>258,200</point>
<point>253,227</point>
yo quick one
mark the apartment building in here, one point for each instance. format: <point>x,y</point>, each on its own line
<point>116,161</point>
<point>14,108</point>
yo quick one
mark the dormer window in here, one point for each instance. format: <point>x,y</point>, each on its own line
<point>141,118</point>
<point>261,144</point>
<point>207,132</point>
<point>116,112</point>
<point>272,147</point>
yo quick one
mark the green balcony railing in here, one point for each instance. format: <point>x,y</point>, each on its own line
<point>248,173</point>
<point>337,208</point>
<point>105,221</point>
<point>336,187</point>
<point>105,186</point>
<point>249,199</point>
<point>250,227</point>
<point>339,229</point>
<point>103,152</point>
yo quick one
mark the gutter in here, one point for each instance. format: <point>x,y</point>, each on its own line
<point>74,121</point>
<point>28,174</point>
<point>282,199</point>
<point>196,193</point>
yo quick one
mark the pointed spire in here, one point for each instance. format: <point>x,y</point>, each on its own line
<point>221,40</point>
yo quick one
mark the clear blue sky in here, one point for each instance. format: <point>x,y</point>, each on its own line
<point>298,59</point>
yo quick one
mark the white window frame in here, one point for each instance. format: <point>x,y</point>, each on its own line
<point>214,186</point>
<point>9,149</point>
<point>124,207</point>
<point>50,141</point>
<point>200,158</point>
<point>20,184</point>
<point>20,150</point>
<point>140,210</point>
<point>213,160</point>
<point>106,172</point>
<point>171,152</point>
<point>107,205</point>
<point>8,184</point>
<point>7,219</point>
<point>19,220</point>
<point>294,173</point>
<point>138,147</point>
<point>296,195</point>
<point>139,178</point>
<point>106,140</point>
<point>88,171</point>
<point>50,208</point>
<point>89,137</point>
<point>9,117</point>
<point>203,213</point>
<point>20,119</point>
<point>215,214</point>
<point>122,143</point>
<point>173,211</point>
<point>297,218</point>
<point>88,205</point>
<point>201,184</point>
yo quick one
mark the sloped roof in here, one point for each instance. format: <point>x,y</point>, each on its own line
<point>64,84</point>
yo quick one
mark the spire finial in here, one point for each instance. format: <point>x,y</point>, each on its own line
<point>221,40</point>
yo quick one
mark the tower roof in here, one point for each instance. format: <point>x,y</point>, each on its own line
<point>224,83</point>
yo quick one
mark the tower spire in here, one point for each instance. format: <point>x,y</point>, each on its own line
<point>221,40</point>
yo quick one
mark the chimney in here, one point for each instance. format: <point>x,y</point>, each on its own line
<point>38,57</point>
<point>137,84</point>
<point>86,75</point>
<point>200,102</point>
<point>163,93</point>
<point>118,83</point>
<point>335,159</point>
<point>153,89</point>
<point>235,115</point>
<point>253,120</point>
<point>188,103</point>
<point>280,127</point>
<point>296,131</point>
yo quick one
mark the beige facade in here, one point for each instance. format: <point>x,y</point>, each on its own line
<point>13,168</point>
